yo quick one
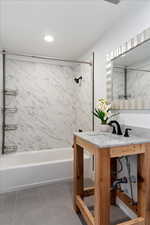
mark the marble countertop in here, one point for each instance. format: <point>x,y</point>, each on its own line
<point>107,140</point>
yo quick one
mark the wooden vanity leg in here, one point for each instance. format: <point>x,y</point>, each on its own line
<point>102,187</point>
<point>144,184</point>
<point>78,173</point>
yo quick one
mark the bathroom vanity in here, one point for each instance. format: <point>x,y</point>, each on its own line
<point>106,147</point>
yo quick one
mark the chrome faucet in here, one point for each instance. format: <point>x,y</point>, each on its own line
<point>119,132</point>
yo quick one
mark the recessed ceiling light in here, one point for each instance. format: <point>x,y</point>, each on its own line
<point>49,38</point>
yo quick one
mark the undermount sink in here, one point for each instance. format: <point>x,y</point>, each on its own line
<point>101,134</point>
<point>109,135</point>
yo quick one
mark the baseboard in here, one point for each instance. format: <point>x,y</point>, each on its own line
<point>33,185</point>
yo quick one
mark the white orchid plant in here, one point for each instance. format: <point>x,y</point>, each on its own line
<point>103,111</point>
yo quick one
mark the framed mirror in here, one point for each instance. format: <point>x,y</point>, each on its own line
<point>128,74</point>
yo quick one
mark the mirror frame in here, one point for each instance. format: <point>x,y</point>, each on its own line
<point>136,103</point>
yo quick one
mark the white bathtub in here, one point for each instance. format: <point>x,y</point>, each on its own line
<point>28,169</point>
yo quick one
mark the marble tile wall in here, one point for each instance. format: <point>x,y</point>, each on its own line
<point>83,99</point>
<point>50,105</point>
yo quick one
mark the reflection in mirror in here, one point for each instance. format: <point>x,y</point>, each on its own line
<point>131,74</point>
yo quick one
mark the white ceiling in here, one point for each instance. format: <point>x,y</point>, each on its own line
<point>75,24</point>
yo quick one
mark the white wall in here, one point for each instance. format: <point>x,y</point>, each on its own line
<point>137,20</point>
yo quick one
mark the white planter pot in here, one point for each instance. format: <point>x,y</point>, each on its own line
<point>105,128</point>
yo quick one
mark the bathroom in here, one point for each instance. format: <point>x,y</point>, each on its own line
<point>57,59</point>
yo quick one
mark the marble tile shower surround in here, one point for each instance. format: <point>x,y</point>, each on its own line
<point>83,103</point>
<point>48,102</point>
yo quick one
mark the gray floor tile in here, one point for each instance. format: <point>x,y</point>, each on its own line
<point>7,208</point>
<point>6,218</point>
<point>46,205</point>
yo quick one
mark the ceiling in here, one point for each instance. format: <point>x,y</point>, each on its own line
<point>75,24</point>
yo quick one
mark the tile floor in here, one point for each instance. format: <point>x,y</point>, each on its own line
<point>46,205</point>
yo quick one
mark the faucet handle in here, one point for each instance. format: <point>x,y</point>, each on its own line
<point>126,134</point>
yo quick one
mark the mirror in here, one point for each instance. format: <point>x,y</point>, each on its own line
<point>131,74</point>
<point>128,74</point>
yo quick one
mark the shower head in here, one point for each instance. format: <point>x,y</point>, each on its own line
<point>77,80</point>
